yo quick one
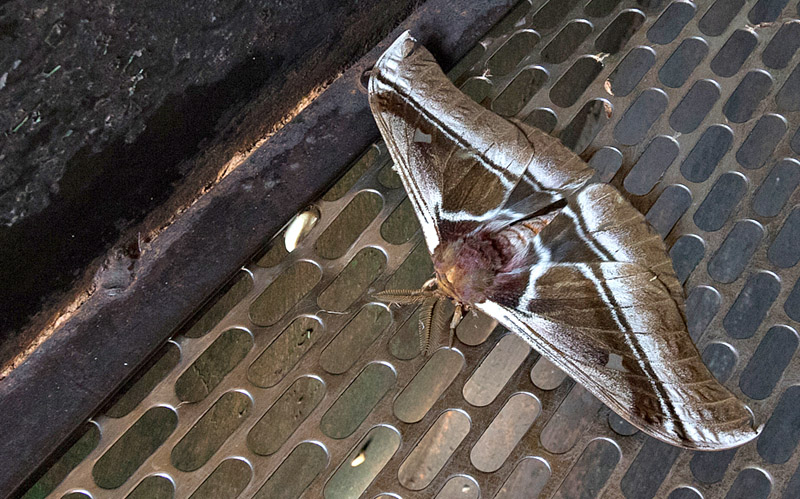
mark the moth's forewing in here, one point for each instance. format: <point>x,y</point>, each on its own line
<point>459,162</point>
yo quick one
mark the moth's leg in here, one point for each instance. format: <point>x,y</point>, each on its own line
<point>457,315</point>
<point>469,309</point>
<point>430,285</point>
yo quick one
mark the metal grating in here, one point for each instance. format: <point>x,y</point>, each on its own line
<point>692,109</point>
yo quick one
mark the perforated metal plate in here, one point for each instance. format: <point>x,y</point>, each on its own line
<point>296,383</point>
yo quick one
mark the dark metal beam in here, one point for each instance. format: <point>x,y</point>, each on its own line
<point>73,373</point>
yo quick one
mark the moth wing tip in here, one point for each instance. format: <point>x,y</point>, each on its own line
<point>403,46</point>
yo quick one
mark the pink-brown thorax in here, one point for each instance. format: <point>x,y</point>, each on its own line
<point>465,269</point>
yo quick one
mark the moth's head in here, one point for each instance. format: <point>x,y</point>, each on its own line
<point>464,271</point>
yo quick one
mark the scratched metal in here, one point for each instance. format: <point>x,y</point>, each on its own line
<point>692,109</point>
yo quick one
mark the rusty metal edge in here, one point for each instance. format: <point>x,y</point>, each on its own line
<point>72,375</point>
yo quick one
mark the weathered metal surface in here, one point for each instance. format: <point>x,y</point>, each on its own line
<point>70,376</point>
<point>300,428</point>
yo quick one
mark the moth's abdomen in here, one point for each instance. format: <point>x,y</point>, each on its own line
<point>517,242</point>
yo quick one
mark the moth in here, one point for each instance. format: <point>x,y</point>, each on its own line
<point>516,230</point>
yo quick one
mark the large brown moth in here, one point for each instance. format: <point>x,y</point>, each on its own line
<point>516,230</point>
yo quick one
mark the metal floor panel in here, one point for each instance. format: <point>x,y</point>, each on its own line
<point>296,383</point>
